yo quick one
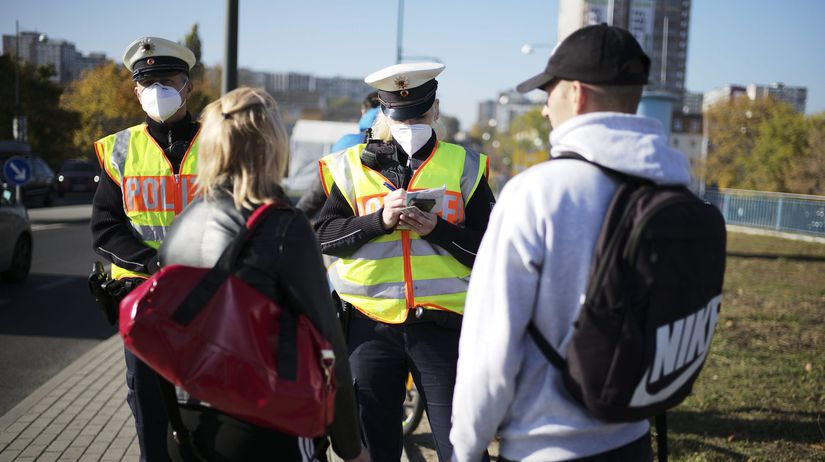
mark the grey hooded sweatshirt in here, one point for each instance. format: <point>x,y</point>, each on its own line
<point>533,265</point>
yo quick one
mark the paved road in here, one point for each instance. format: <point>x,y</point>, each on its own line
<point>50,319</point>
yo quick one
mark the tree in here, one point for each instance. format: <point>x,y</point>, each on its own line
<point>49,126</point>
<point>104,97</point>
<point>451,126</point>
<point>807,174</point>
<point>193,41</point>
<point>205,91</point>
<point>758,145</point>
<point>780,142</point>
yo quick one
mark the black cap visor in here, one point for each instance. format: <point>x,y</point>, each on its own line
<point>408,112</point>
<point>537,81</point>
<point>408,104</point>
<point>158,65</point>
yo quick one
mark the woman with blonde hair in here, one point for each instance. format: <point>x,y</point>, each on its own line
<point>243,152</point>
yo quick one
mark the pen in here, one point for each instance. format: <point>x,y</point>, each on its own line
<point>389,186</point>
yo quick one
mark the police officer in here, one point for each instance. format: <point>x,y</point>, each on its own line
<point>402,270</point>
<point>150,170</point>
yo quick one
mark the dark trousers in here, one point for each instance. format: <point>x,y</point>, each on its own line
<point>145,400</point>
<point>220,437</point>
<point>381,356</point>
<point>636,451</point>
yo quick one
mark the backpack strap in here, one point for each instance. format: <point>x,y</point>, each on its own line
<point>544,346</point>
<point>546,349</point>
<point>621,177</point>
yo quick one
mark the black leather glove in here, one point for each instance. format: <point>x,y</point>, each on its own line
<point>97,279</point>
<point>109,292</point>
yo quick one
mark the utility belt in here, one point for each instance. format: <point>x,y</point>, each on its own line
<point>418,315</point>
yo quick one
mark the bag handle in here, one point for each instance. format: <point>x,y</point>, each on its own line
<point>215,277</point>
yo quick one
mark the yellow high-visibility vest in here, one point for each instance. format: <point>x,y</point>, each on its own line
<point>397,272</point>
<point>152,194</point>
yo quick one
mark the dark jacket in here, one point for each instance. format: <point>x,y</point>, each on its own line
<point>113,238</point>
<point>341,233</point>
<point>290,272</point>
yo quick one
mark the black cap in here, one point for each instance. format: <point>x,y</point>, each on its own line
<point>599,55</point>
<point>408,104</point>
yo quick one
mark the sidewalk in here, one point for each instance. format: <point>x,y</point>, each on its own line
<point>82,414</point>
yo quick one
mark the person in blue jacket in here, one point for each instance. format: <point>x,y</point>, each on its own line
<point>313,199</point>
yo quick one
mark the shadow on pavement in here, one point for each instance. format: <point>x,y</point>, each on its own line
<point>51,305</point>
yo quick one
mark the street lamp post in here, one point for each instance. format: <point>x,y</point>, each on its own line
<point>529,48</point>
<point>399,38</point>
<point>230,63</point>
<point>17,127</point>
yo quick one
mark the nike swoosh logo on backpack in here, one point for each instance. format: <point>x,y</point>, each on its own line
<point>642,398</point>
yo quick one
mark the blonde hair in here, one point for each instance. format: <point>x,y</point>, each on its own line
<point>243,147</point>
<point>381,128</point>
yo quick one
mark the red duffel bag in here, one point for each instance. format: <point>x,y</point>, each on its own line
<point>221,340</point>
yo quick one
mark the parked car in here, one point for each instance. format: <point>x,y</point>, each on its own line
<point>41,189</point>
<point>77,176</point>
<point>15,237</point>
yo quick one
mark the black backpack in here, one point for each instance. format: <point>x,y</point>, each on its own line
<point>651,306</point>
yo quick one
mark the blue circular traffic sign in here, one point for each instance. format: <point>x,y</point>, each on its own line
<point>17,170</point>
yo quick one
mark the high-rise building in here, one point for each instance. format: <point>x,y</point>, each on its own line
<point>691,103</point>
<point>486,111</point>
<point>660,26</point>
<point>510,104</point>
<point>342,87</point>
<point>36,49</point>
<point>795,96</point>
<point>724,94</point>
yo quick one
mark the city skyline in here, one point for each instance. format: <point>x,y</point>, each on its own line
<point>727,41</point>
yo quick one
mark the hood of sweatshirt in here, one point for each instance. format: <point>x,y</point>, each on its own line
<point>628,143</point>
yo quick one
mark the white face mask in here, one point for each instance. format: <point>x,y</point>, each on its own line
<point>411,137</point>
<point>161,102</point>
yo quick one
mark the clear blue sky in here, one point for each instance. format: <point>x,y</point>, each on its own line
<point>731,41</point>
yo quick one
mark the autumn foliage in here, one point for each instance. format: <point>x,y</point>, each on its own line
<point>765,145</point>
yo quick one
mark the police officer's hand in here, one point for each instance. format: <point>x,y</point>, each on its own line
<point>419,221</point>
<point>393,203</point>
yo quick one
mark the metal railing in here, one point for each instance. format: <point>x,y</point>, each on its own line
<point>793,213</point>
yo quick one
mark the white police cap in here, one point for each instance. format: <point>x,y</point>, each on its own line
<point>406,90</point>
<point>154,55</point>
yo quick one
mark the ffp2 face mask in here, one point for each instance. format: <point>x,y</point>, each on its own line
<point>411,137</point>
<point>160,101</point>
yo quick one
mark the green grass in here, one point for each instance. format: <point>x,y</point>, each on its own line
<point>761,395</point>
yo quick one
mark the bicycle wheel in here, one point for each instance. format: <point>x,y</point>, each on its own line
<point>413,408</point>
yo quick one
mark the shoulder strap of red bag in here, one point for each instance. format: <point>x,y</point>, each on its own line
<point>215,277</point>
<point>260,213</point>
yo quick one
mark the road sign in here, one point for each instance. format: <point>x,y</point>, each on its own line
<point>17,170</point>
